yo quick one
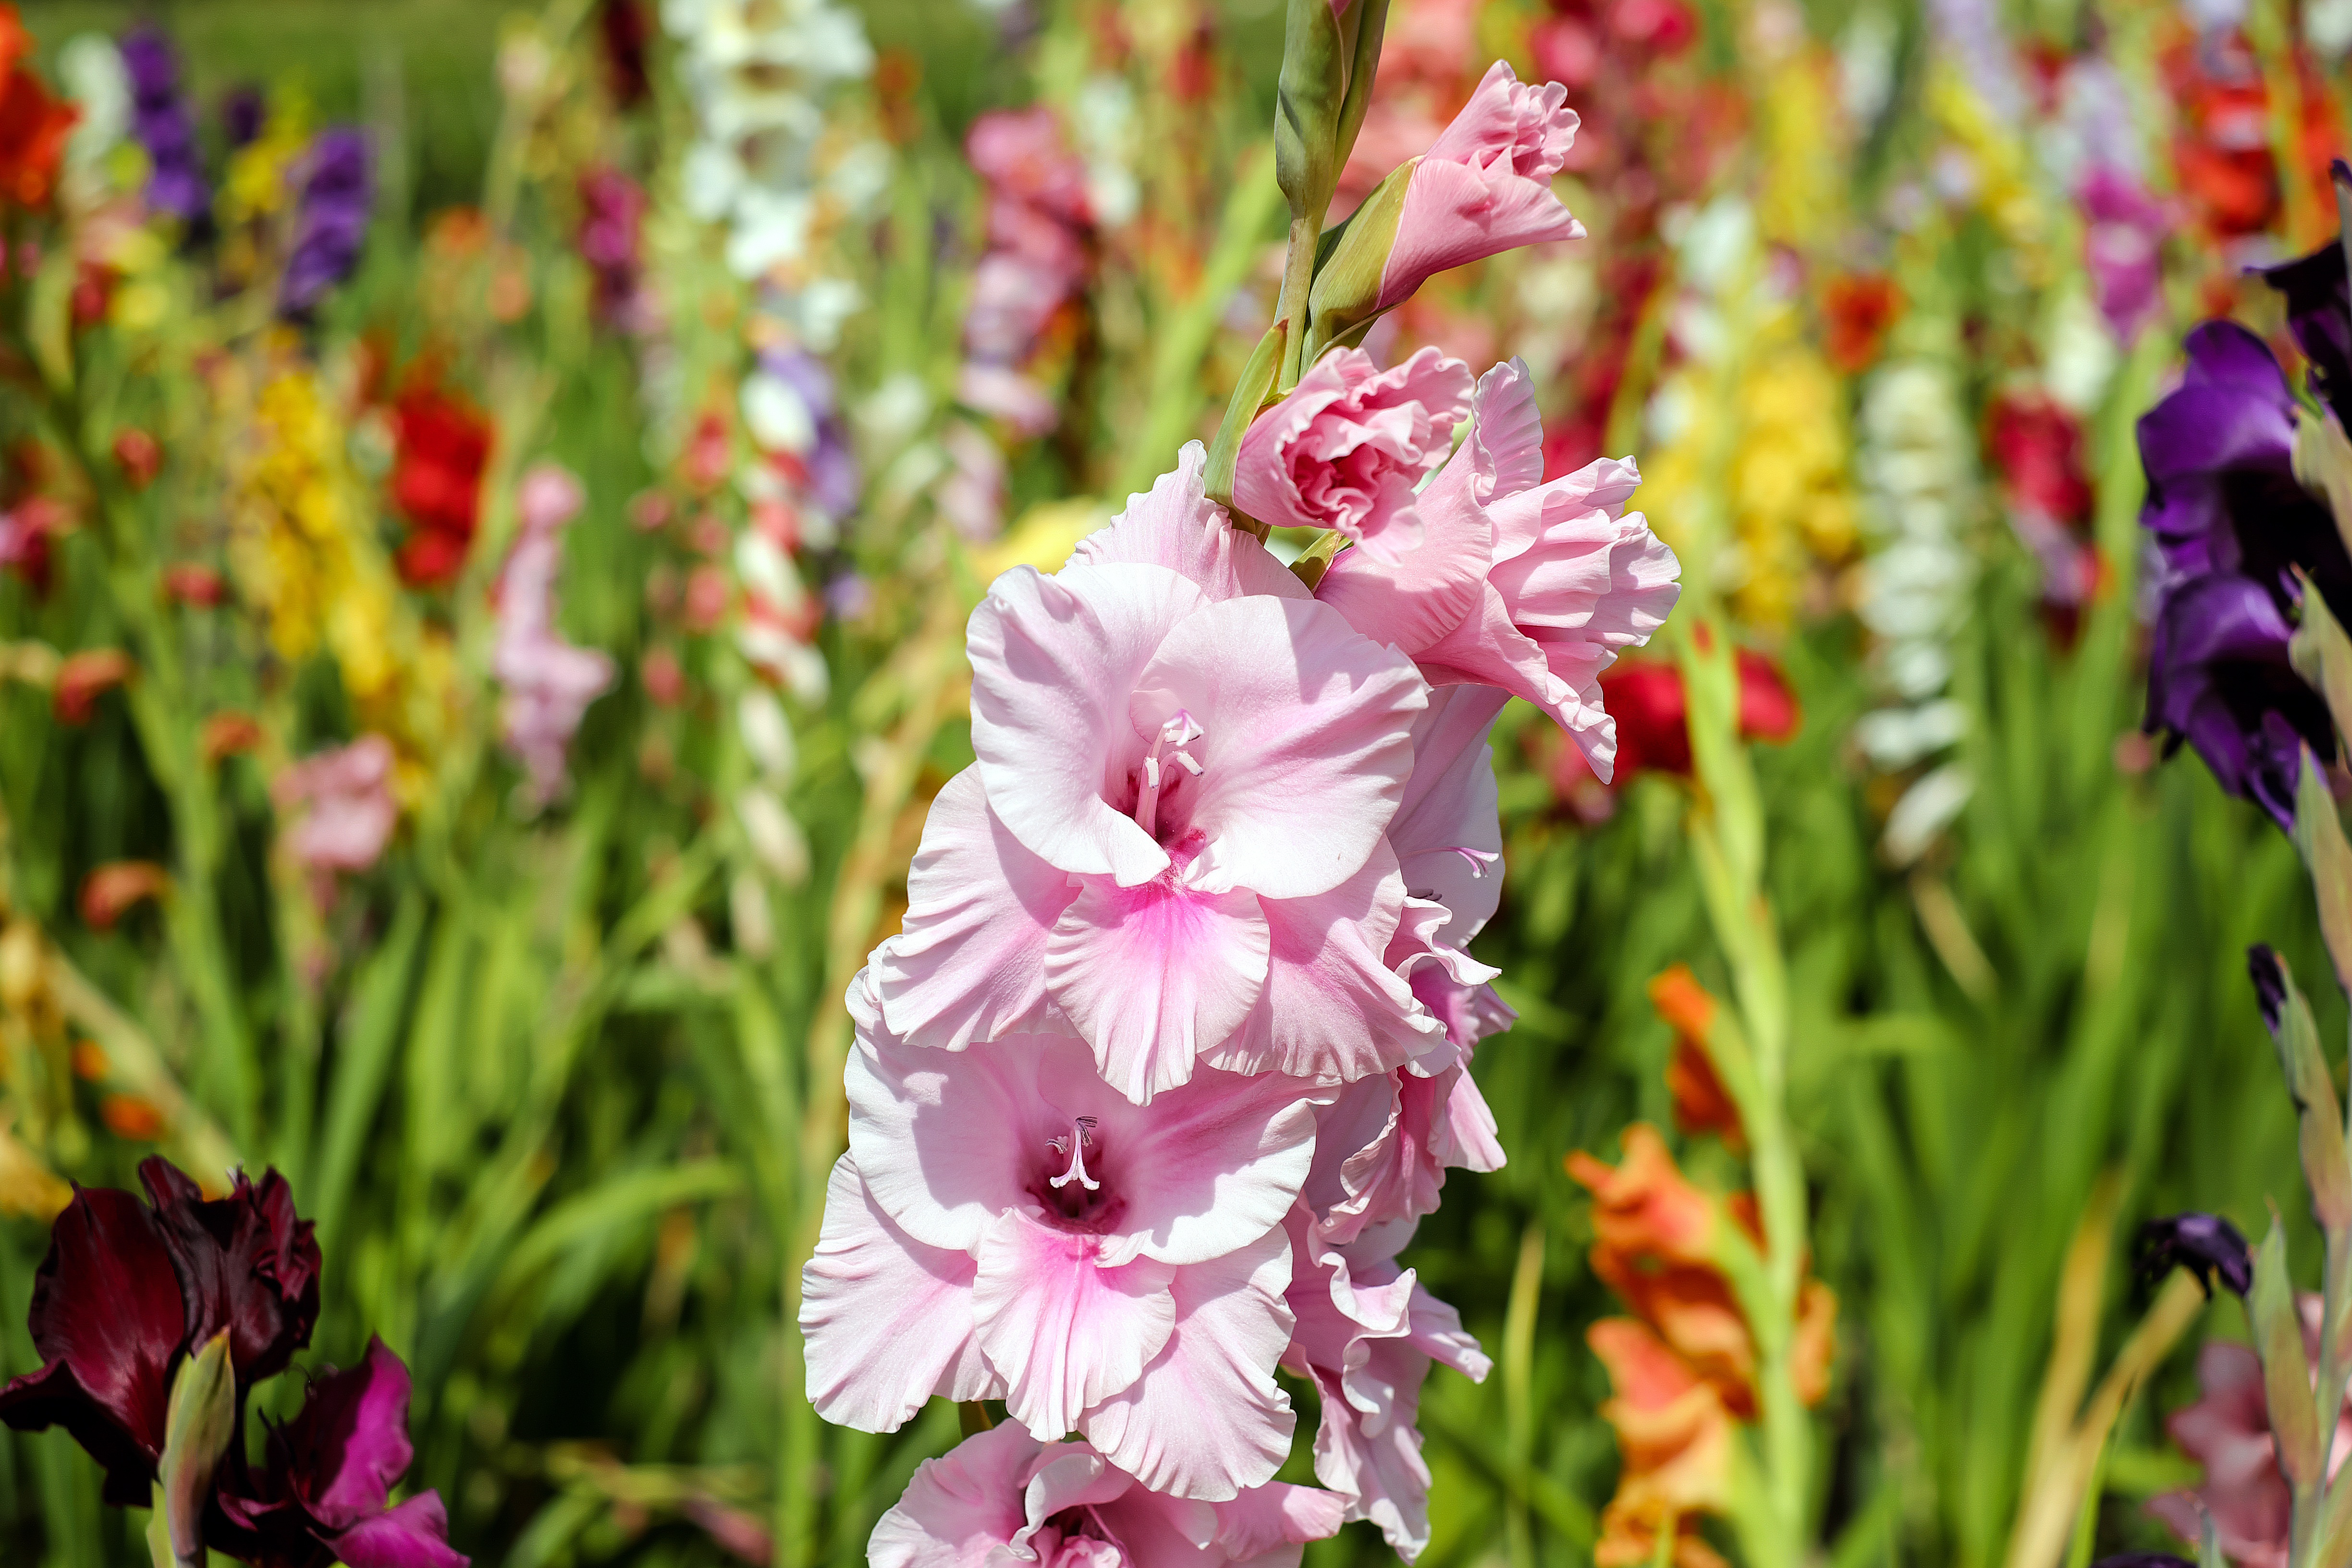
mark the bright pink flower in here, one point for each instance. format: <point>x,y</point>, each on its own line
<point>350,813</point>
<point>1347,445</point>
<point>2228,1431</point>
<point>1485,186</point>
<point>1173,841</point>
<point>1365,1334</point>
<point>1001,1496</point>
<point>1526,586</point>
<point>2123,235</point>
<point>550,682</point>
<point>1005,1225</point>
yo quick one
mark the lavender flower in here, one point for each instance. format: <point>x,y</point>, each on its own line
<point>330,223</point>
<point>2206,1245</point>
<point>160,118</point>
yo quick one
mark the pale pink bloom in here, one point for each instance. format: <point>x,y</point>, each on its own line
<point>346,805</point>
<point>548,681</point>
<point>1012,298</point>
<point>1365,1334</point>
<point>2228,1431</point>
<point>1005,1225</point>
<point>970,494</point>
<point>1002,1497</point>
<point>1526,586</point>
<point>1484,187</point>
<point>1024,156</point>
<point>1347,445</point>
<point>1005,394</point>
<point>1173,841</point>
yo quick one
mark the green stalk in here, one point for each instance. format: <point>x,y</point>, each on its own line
<point>1298,281</point>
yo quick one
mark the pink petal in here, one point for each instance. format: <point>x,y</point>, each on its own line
<point>1485,185</point>
<point>1432,588</point>
<point>1061,1331</point>
<point>887,1319</point>
<point>1332,1008</point>
<point>1206,1169</point>
<point>1447,833</point>
<point>1206,1419</point>
<point>1348,446</point>
<point>945,1140</point>
<point>414,1535</point>
<point>1162,1531</point>
<point>969,961</point>
<point>1179,527</point>
<point>1486,650</point>
<point>1052,661</point>
<point>959,1510</point>
<point>1066,1475</point>
<point>1152,975</point>
<point>1304,747</point>
<point>1380,1473</point>
<point>1260,1523</point>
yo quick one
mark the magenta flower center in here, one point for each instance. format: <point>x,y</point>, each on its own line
<point>1076,1198</point>
<point>1159,778</point>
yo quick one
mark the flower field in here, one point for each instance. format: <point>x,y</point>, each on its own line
<point>1095,783</point>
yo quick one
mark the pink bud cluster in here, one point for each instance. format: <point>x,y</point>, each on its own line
<point>1170,1055</point>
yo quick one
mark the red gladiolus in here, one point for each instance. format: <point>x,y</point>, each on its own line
<point>193,582</point>
<point>139,455</point>
<point>1646,698</point>
<point>442,444</point>
<point>82,678</point>
<point>32,125</point>
<point>109,892</point>
<point>127,1288</point>
<point>1856,311</point>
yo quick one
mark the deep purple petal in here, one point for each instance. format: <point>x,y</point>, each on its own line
<point>108,1317</point>
<point>349,1446</point>
<point>2319,314</point>
<point>414,1535</point>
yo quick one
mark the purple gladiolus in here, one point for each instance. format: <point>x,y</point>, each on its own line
<point>331,224</point>
<point>2206,1245</point>
<point>2232,525</point>
<point>2319,313</point>
<point>160,118</point>
<point>242,113</point>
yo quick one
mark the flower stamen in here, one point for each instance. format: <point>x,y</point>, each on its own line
<point>1075,1144</point>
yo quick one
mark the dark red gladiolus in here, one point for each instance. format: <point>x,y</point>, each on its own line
<point>247,1263</point>
<point>127,1288</point>
<point>1646,698</point>
<point>2208,1246</point>
<point>107,1318</point>
<point>441,446</point>
<point>321,1495</point>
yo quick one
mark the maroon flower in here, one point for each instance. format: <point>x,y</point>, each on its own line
<point>247,1263</point>
<point>322,1495</point>
<point>108,1320</point>
<point>127,1288</point>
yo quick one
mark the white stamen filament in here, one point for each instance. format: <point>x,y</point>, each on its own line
<point>1174,736</point>
<point>1480,858</point>
<point>1075,1145</point>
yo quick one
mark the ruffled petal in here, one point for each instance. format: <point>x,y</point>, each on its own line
<point>1062,1331</point>
<point>940,1138</point>
<point>960,1509</point>
<point>1206,1419</point>
<point>886,1321</point>
<point>1151,975</point>
<point>1179,527</point>
<point>970,962</point>
<point>1304,745</point>
<point>1052,661</point>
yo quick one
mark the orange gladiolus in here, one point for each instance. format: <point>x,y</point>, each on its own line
<point>1701,1103</point>
<point>1673,1436</point>
<point>32,125</point>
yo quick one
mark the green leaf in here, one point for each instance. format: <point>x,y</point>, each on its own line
<point>1250,394</point>
<point>1346,294</point>
<point>2319,835</point>
<point>2286,1370</point>
<point>2323,653</point>
<point>2320,1121</point>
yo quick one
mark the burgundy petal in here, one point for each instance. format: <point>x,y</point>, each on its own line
<point>108,1320</point>
<point>247,1263</point>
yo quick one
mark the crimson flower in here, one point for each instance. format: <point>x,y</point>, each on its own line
<point>441,446</point>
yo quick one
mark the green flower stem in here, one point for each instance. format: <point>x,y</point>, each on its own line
<point>1297,281</point>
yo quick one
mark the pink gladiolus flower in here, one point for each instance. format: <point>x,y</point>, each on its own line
<point>1004,1496</point>
<point>1347,445</point>
<point>550,682</point>
<point>2123,228</point>
<point>1365,1334</point>
<point>1485,186</point>
<point>2229,1432</point>
<point>1005,1225</point>
<point>1526,586</point>
<point>1173,841</point>
<point>347,810</point>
